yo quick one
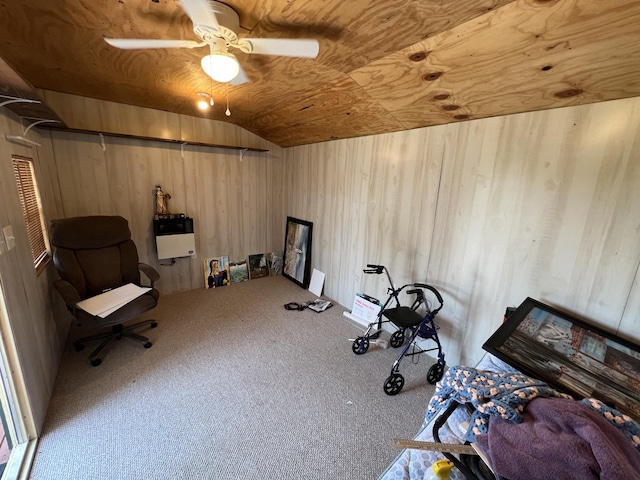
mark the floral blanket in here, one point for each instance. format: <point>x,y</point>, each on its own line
<point>503,394</point>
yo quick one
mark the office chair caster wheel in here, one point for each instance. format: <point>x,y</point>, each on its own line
<point>435,373</point>
<point>79,347</point>
<point>154,324</point>
<point>96,361</point>
<point>393,384</point>
<point>360,345</point>
<point>397,338</point>
<point>147,345</point>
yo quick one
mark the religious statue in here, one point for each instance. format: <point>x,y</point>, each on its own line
<point>161,200</point>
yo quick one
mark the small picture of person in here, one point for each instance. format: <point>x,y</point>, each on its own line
<point>213,271</point>
<point>216,274</point>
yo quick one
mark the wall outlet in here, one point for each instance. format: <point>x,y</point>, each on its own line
<point>9,237</point>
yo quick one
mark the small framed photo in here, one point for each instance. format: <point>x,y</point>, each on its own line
<point>216,272</point>
<point>297,251</point>
<point>238,270</point>
<point>570,354</point>
<point>274,261</point>
<point>258,266</point>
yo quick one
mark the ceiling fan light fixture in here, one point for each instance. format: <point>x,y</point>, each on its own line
<point>221,66</point>
<point>205,101</point>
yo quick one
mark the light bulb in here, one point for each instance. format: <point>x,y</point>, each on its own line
<point>221,66</point>
<point>227,112</point>
<point>203,104</point>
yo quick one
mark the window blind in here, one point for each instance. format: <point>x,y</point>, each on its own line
<point>27,189</point>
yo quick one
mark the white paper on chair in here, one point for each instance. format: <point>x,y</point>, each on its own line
<point>108,302</point>
<point>317,282</point>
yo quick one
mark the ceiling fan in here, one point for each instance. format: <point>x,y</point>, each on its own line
<point>217,25</point>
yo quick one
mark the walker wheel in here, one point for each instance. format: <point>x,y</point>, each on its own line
<point>147,344</point>
<point>435,373</point>
<point>96,361</point>
<point>393,384</point>
<point>397,338</point>
<point>360,345</point>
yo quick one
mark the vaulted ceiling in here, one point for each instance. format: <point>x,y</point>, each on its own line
<point>383,66</point>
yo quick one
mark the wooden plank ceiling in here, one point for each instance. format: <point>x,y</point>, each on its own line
<point>383,66</point>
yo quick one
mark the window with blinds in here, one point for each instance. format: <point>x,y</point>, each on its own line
<point>29,198</point>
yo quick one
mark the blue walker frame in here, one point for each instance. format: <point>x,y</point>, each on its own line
<point>405,319</point>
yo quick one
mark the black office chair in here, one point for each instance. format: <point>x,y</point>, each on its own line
<point>95,254</point>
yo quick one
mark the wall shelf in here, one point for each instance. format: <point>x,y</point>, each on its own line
<point>154,139</point>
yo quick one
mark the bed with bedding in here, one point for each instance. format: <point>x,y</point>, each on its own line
<point>535,408</point>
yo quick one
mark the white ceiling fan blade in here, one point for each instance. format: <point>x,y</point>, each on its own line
<point>200,13</point>
<point>240,79</point>
<point>135,43</point>
<point>285,47</point>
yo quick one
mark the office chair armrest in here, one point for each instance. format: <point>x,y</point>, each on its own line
<point>68,292</point>
<point>151,273</point>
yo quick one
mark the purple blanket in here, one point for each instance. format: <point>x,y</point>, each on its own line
<point>559,439</point>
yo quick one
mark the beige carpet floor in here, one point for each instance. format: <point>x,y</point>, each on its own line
<point>234,387</point>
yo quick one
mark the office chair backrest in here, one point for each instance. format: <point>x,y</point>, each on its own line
<point>94,253</point>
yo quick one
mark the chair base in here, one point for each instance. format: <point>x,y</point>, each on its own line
<point>117,332</point>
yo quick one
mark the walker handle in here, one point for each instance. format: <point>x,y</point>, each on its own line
<point>435,292</point>
<point>377,269</point>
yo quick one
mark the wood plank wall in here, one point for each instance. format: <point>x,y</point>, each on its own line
<point>235,198</point>
<point>541,204</point>
<point>39,325</point>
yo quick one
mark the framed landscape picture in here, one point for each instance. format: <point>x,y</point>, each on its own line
<point>297,251</point>
<point>258,266</point>
<point>238,271</point>
<point>570,354</point>
<point>216,272</point>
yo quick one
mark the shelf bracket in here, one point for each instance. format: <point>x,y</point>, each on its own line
<point>22,139</point>
<point>16,100</point>
<point>37,121</point>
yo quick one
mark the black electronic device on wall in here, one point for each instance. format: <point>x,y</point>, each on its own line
<point>172,223</point>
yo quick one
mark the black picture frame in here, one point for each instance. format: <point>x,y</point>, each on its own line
<point>570,355</point>
<point>297,251</point>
